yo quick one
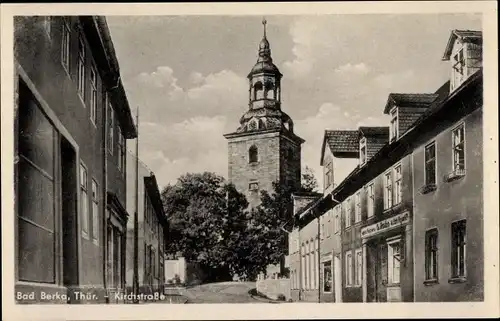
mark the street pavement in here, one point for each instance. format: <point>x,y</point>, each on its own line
<point>222,292</point>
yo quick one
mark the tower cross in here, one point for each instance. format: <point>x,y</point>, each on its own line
<point>264,22</point>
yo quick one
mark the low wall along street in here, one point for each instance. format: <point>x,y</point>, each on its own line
<point>385,225</point>
<point>272,288</point>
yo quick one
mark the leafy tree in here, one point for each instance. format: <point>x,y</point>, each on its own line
<point>207,218</point>
<point>309,181</point>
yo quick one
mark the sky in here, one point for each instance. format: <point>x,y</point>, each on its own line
<point>187,75</point>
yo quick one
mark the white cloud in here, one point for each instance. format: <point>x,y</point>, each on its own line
<point>349,68</point>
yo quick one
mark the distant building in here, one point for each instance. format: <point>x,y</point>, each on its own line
<point>264,149</point>
<point>152,229</point>
<point>409,217</point>
<point>72,120</point>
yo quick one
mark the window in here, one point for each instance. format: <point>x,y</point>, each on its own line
<point>348,216</point>
<point>121,151</point>
<point>430,164</point>
<point>95,211</point>
<point>253,154</point>
<point>93,95</point>
<point>431,255</point>
<point>394,264</point>
<point>370,198</point>
<point>81,69</point>
<point>362,151</point>
<point>359,267</point>
<point>65,44</point>
<point>458,254</point>
<point>253,186</point>
<point>357,209</point>
<point>84,200</point>
<point>327,276</point>
<point>387,191</point>
<point>458,141</point>
<point>328,174</point>
<point>397,185</point>
<point>111,121</point>
<point>458,68</point>
<point>348,268</point>
<point>337,219</point>
<point>394,125</point>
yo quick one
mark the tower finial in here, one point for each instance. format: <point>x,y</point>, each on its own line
<point>264,22</point>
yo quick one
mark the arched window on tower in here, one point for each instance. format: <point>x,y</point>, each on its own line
<point>269,90</point>
<point>258,90</point>
<point>253,154</point>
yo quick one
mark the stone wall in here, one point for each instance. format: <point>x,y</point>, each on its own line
<point>273,288</point>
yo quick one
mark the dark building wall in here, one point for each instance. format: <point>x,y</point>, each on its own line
<point>40,57</point>
<point>451,201</point>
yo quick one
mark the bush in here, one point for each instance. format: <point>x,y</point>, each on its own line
<point>177,279</point>
<point>170,281</point>
<point>281,297</point>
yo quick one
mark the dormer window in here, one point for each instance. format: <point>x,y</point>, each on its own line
<point>394,125</point>
<point>459,67</point>
<point>362,151</point>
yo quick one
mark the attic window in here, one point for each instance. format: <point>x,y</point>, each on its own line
<point>362,151</point>
<point>459,69</point>
<point>394,124</point>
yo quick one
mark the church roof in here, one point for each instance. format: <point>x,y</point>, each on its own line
<point>264,67</point>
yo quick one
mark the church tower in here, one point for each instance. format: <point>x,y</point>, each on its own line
<point>264,148</point>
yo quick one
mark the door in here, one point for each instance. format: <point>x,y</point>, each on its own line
<point>393,269</point>
<point>337,281</point>
<point>381,273</point>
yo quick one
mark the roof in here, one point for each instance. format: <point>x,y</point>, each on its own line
<point>473,36</point>
<point>306,194</point>
<point>374,131</point>
<point>151,186</point>
<point>409,100</point>
<point>99,37</point>
<point>390,152</point>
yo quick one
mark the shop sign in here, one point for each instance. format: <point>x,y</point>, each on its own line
<point>385,225</point>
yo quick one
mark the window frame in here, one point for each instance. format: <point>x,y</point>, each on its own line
<point>431,255</point>
<point>66,45</point>
<point>358,267</point>
<point>348,213</point>
<point>84,188</point>
<point>397,185</point>
<point>458,272</point>
<point>362,151</point>
<point>453,146</point>
<point>348,268</point>
<point>111,126</point>
<point>390,261</point>
<point>95,214</point>
<point>370,197</point>
<point>93,94</point>
<point>394,126</point>
<point>328,174</point>
<point>426,161</point>
<point>81,69</point>
<point>388,187</point>
<point>357,208</point>
<point>253,154</point>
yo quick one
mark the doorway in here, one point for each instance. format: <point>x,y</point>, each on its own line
<point>394,270</point>
<point>69,190</point>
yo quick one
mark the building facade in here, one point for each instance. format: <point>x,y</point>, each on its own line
<point>70,183</point>
<point>411,211</point>
<point>152,228</point>
<point>448,184</point>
